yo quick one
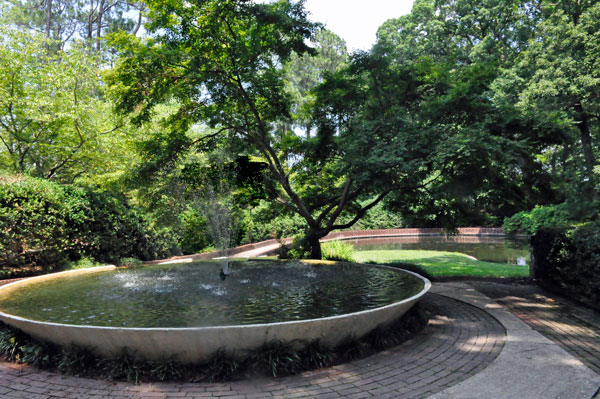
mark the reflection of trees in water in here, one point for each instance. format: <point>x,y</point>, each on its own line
<point>193,295</point>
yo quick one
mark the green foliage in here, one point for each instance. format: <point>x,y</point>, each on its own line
<point>39,355</point>
<point>125,365</point>
<point>338,250</point>
<point>83,263</point>
<point>351,349</point>
<point>194,237</point>
<point>380,338</point>
<point>75,360</point>
<point>44,224</point>
<point>296,250</point>
<point>316,354</point>
<point>166,370</point>
<point>10,343</point>
<point>39,221</point>
<point>223,366</point>
<point>268,220</point>
<point>55,122</point>
<point>529,222</point>
<point>567,261</point>
<point>279,358</point>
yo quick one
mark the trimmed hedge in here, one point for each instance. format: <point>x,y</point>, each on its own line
<point>45,224</point>
<point>567,261</point>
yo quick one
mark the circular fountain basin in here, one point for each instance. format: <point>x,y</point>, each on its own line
<point>190,311</point>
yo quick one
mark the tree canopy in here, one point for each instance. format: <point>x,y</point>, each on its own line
<point>462,113</point>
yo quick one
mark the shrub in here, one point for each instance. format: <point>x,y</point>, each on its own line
<point>280,358</point>
<point>123,366</point>
<point>223,366</point>
<point>267,221</point>
<point>40,222</point>
<point>194,236</point>
<point>166,370</point>
<point>337,250</point>
<point>46,225</point>
<point>75,360</point>
<point>529,222</point>
<point>567,261</point>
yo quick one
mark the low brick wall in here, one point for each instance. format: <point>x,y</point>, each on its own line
<point>347,234</point>
<point>478,231</point>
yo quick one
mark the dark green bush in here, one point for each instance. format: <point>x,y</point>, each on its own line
<point>194,236</point>
<point>75,360</point>
<point>124,366</point>
<point>223,366</point>
<point>40,222</point>
<point>279,358</point>
<point>166,370</point>
<point>267,221</point>
<point>45,225</point>
<point>567,261</point>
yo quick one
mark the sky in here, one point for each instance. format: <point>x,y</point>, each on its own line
<point>356,21</point>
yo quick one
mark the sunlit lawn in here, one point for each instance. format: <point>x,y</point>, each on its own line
<point>443,264</point>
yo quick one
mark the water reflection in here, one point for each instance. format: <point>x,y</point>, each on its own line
<point>193,294</point>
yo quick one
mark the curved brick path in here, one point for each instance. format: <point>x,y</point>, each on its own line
<point>460,341</point>
<point>573,327</point>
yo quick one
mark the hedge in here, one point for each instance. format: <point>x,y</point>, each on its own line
<point>45,224</point>
<point>567,261</point>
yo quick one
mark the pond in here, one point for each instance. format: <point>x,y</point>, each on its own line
<point>484,248</point>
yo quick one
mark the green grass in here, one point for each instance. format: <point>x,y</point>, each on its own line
<point>443,264</point>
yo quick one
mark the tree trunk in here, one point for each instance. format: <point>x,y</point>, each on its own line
<point>48,18</point>
<point>101,10</point>
<point>312,241</point>
<point>586,142</point>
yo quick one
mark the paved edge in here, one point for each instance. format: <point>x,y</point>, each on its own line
<point>530,365</point>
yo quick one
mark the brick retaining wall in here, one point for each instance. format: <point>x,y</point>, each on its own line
<point>467,231</point>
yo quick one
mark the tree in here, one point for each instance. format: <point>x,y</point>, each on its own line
<point>492,165</point>
<point>66,21</point>
<point>223,63</point>
<point>557,79</point>
<point>305,72</point>
<point>54,123</point>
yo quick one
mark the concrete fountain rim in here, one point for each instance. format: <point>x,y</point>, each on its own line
<point>6,316</point>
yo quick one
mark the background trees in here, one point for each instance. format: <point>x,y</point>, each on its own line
<point>463,113</point>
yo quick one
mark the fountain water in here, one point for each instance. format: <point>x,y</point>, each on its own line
<point>184,311</point>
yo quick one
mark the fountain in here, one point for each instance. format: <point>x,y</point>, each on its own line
<point>186,311</point>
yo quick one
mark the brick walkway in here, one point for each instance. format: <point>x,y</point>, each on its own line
<point>573,327</point>
<point>460,341</point>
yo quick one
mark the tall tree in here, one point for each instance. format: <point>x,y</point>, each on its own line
<point>223,63</point>
<point>557,78</point>
<point>306,71</point>
<point>65,21</point>
<point>53,122</point>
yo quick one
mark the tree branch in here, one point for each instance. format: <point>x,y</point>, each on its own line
<point>360,213</point>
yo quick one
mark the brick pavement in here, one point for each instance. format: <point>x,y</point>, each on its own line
<point>459,341</point>
<point>573,327</point>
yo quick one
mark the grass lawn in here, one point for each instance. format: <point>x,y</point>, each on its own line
<point>443,264</point>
